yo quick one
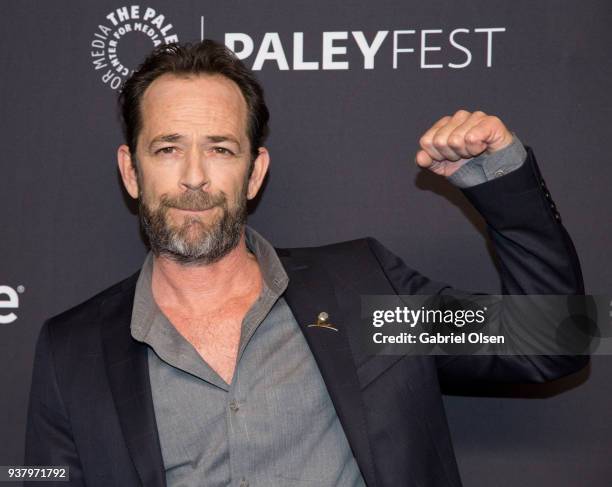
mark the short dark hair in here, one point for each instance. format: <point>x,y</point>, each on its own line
<point>205,57</point>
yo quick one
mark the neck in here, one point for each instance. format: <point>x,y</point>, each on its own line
<point>191,287</point>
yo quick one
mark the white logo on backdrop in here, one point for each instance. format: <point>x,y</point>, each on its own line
<point>440,48</point>
<point>9,299</point>
<point>421,49</point>
<point>128,26</point>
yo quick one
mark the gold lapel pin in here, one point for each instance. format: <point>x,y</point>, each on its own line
<point>322,322</point>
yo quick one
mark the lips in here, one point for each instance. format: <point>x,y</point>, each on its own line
<point>193,208</point>
<point>194,201</point>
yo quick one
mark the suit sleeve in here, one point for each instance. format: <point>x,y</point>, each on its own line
<point>49,439</point>
<point>535,255</point>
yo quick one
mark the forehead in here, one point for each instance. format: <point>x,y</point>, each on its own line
<point>210,103</point>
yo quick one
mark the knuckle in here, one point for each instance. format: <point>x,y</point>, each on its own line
<point>472,138</point>
<point>439,142</point>
<point>479,114</point>
<point>425,141</point>
<point>495,119</point>
<point>461,114</point>
<point>455,141</point>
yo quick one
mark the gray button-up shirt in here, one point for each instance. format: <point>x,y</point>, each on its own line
<point>274,425</point>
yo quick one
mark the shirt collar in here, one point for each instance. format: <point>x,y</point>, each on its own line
<point>145,309</point>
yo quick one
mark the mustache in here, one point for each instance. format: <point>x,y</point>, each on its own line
<point>194,200</point>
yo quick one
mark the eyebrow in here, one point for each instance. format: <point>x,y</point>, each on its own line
<point>209,138</point>
<point>165,138</point>
<point>223,138</point>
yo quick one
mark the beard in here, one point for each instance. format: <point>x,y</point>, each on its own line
<point>193,241</point>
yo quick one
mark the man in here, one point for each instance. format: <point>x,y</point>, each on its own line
<point>201,369</point>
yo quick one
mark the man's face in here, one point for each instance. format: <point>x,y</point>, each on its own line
<point>193,157</point>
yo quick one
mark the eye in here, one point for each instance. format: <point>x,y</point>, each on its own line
<point>166,150</point>
<point>223,151</point>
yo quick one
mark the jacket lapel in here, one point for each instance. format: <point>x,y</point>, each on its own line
<point>310,292</point>
<point>128,374</point>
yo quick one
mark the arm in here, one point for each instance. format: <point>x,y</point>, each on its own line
<point>534,251</point>
<point>48,436</point>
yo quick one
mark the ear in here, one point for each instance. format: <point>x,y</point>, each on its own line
<point>260,169</point>
<point>127,170</point>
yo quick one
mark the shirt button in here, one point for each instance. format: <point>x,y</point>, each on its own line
<point>233,405</point>
<point>244,482</point>
<point>499,172</point>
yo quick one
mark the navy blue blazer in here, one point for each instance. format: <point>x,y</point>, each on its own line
<point>91,406</point>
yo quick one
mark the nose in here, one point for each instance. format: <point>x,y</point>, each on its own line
<point>195,173</point>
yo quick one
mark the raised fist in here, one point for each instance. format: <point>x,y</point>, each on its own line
<point>452,141</point>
